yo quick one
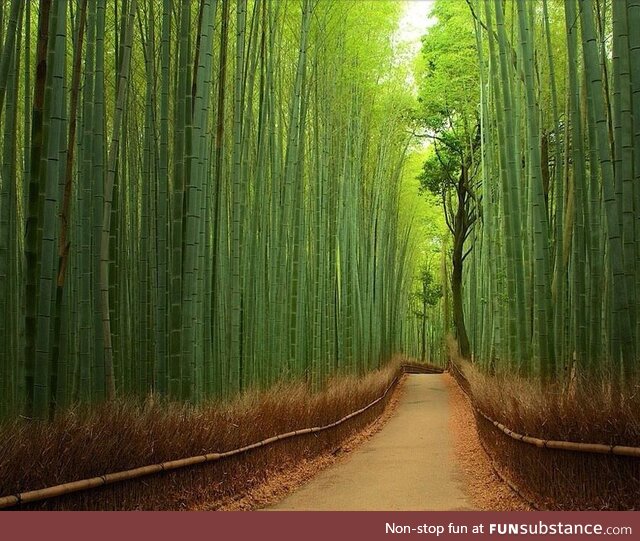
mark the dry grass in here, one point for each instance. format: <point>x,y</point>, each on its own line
<point>554,412</point>
<point>287,478</point>
<point>86,443</point>
<point>560,479</point>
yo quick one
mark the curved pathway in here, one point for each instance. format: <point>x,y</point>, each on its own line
<point>408,465</point>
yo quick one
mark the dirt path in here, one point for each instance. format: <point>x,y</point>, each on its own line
<point>408,465</point>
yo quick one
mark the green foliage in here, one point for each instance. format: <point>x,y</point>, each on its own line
<point>447,74</point>
<point>424,211</point>
<point>430,291</point>
<point>441,169</point>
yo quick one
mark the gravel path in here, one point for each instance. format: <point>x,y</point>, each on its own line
<point>409,465</point>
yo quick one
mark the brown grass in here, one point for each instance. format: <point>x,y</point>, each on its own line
<point>553,412</point>
<point>287,478</point>
<point>560,479</point>
<point>123,435</point>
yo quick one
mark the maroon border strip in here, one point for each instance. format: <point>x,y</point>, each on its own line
<point>307,526</point>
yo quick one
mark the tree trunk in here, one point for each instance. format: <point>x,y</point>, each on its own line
<point>423,350</point>
<point>456,291</point>
<point>459,235</point>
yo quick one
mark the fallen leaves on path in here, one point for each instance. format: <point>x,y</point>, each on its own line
<point>488,491</point>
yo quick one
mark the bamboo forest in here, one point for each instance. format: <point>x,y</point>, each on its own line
<point>222,221</point>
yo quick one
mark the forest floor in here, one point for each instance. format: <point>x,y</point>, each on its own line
<point>410,464</point>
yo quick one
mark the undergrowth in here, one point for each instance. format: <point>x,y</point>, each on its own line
<point>586,414</point>
<point>87,442</point>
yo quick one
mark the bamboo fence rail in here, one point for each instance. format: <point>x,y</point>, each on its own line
<point>598,448</point>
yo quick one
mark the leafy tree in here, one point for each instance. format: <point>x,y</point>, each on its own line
<point>427,297</point>
<point>448,117</point>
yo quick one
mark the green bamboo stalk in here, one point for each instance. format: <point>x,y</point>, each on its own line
<point>543,337</point>
<point>621,321</point>
<point>162,219</point>
<point>123,77</point>
<point>8,48</point>
<point>237,191</point>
